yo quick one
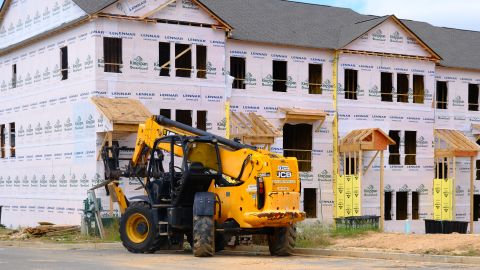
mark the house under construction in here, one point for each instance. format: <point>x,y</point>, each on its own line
<point>382,113</point>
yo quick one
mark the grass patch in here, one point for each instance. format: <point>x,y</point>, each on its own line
<point>471,253</point>
<point>112,233</point>
<point>342,232</point>
<point>313,235</point>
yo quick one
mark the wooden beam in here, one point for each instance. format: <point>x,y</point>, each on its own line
<point>105,139</point>
<point>472,191</point>
<point>371,162</point>
<point>157,9</point>
<point>125,128</point>
<point>382,194</point>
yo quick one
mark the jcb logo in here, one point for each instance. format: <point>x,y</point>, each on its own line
<point>284,174</point>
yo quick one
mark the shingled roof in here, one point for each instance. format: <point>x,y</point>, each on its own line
<point>324,27</point>
<point>95,6</point>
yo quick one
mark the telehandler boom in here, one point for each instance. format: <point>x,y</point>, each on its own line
<point>204,187</point>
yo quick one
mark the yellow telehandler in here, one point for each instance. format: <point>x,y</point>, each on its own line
<point>204,188</point>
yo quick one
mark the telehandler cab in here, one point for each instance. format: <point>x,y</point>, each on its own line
<point>204,187</point>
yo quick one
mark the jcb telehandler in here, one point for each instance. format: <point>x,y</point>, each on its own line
<point>209,190</point>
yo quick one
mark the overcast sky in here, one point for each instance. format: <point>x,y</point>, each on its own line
<point>462,14</point>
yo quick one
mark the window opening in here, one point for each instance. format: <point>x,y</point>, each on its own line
<point>201,61</point>
<point>402,88</point>
<point>476,207</point>
<point>315,79</point>
<point>388,206</point>
<point>164,58</point>
<point>351,82</point>
<point>418,89</point>
<point>237,71</point>
<point>402,202</point>
<point>12,139</point>
<point>442,95</point>
<point>64,62</point>
<point>184,117</point>
<point>14,75</point>
<point>394,150</point>
<point>2,140</point>
<point>112,52</point>
<point>415,205</point>
<point>386,85</point>
<point>183,60</point>
<point>202,120</point>
<point>410,147</point>
<point>280,76</point>
<point>166,112</point>
<point>472,97</point>
<point>310,202</point>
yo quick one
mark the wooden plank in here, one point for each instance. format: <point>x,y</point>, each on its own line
<point>472,191</point>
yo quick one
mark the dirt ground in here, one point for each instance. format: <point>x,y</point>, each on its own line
<point>445,244</point>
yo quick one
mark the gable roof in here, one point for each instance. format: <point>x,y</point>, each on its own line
<point>317,26</point>
<point>351,33</point>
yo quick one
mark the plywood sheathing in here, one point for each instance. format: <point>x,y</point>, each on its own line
<point>252,128</point>
<point>372,139</point>
<point>452,143</point>
<point>303,115</point>
<point>122,111</point>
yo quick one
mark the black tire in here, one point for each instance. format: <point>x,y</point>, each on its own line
<point>220,242</point>
<point>152,239</point>
<point>282,241</point>
<point>203,236</point>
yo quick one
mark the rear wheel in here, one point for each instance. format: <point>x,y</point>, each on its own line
<point>137,229</point>
<point>203,236</point>
<point>282,241</point>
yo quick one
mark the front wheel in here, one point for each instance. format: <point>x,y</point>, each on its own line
<point>203,236</point>
<point>282,241</point>
<point>137,229</point>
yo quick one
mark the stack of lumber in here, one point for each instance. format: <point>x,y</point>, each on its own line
<point>48,229</point>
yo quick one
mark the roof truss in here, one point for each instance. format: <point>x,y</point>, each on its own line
<point>453,143</point>
<point>252,129</point>
<point>371,139</point>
